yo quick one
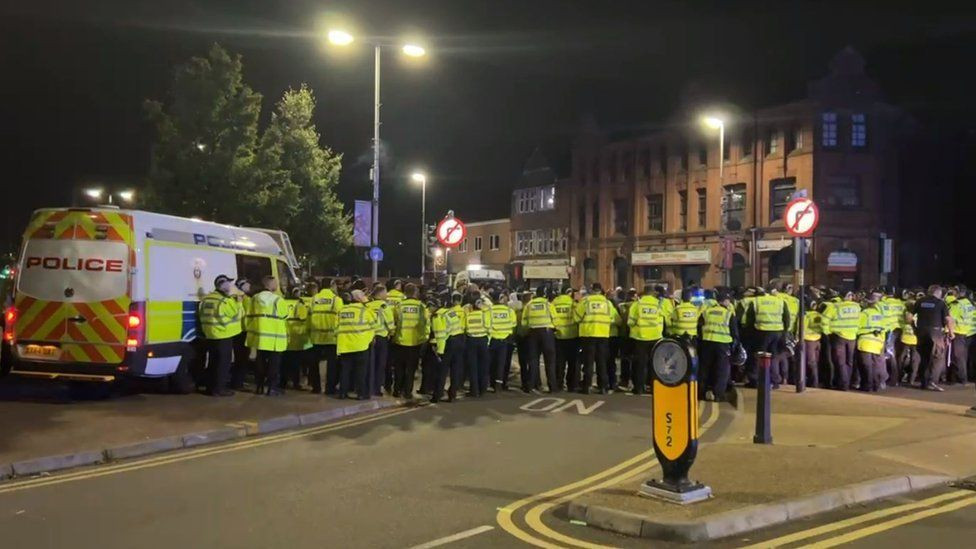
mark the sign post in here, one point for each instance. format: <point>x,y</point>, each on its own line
<point>675,422</point>
<point>801,218</point>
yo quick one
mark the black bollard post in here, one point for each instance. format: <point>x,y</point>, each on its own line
<point>763,434</point>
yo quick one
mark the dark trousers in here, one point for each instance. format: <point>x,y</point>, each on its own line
<point>291,368</point>
<point>932,349</point>
<point>595,351</point>
<point>960,357</point>
<point>268,366</point>
<point>842,351</point>
<point>763,342</point>
<point>522,347</point>
<point>872,370</point>
<point>812,350</point>
<point>626,360</point>
<point>354,371</point>
<point>326,354</point>
<point>542,341</point>
<point>639,369</point>
<point>613,351</point>
<point>715,368</point>
<point>405,369</point>
<point>476,351</point>
<point>908,362</point>
<point>453,362</point>
<point>219,353</point>
<point>567,363</point>
<point>242,362</point>
<point>428,369</point>
<point>378,358</point>
<point>498,355</point>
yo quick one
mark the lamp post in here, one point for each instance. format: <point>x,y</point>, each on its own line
<point>340,37</point>
<point>419,177</point>
<point>716,123</point>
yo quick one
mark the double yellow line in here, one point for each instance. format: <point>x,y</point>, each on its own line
<point>911,512</point>
<point>195,454</point>
<point>536,506</point>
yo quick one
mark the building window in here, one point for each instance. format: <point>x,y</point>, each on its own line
<point>581,223</point>
<point>684,157</point>
<point>463,246</point>
<point>477,243</point>
<point>535,199</point>
<point>644,160</point>
<point>628,166</point>
<point>494,242</point>
<point>595,229</point>
<point>702,207</point>
<point>772,142</point>
<point>734,206</point>
<point>524,243</point>
<point>843,191</point>
<point>726,146</point>
<point>540,242</point>
<point>795,141</point>
<point>703,155</point>
<point>683,210</point>
<point>859,130</point>
<point>828,132</point>
<point>745,145</point>
<point>655,212</point>
<point>780,191</point>
<point>662,159</point>
<point>621,216</point>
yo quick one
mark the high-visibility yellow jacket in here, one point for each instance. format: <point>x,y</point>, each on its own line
<point>220,316</point>
<point>411,319</point>
<point>684,319</point>
<point>624,309</point>
<point>266,328</point>
<point>562,317</point>
<point>646,319</point>
<point>908,336</point>
<point>716,324</point>
<point>502,321</point>
<point>385,323</point>
<point>297,325</point>
<point>812,326</point>
<point>962,312</point>
<point>843,319</point>
<point>667,309</point>
<point>768,311</point>
<point>744,306</point>
<point>893,310</point>
<point>793,306</point>
<point>538,313</point>
<point>394,296</point>
<point>356,330</point>
<point>245,305</point>
<point>455,325</point>
<point>871,330</point>
<point>325,317</point>
<point>595,314</point>
<point>477,322</point>
<point>440,328</point>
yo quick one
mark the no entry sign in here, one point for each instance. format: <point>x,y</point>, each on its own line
<point>450,232</point>
<point>801,217</point>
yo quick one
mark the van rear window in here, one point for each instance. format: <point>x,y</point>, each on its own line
<point>74,270</point>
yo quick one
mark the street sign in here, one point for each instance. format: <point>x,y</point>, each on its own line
<point>451,232</point>
<point>674,418</point>
<point>375,254</point>
<point>801,217</point>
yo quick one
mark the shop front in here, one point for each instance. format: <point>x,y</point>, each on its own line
<point>673,268</point>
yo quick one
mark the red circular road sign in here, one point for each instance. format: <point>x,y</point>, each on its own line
<point>450,231</point>
<point>801,217</point>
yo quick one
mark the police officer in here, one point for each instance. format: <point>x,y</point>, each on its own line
<point>962,311</point>
<point>298,340</point>
<point>717,332</point>
<point>440,332</point>
<point>454,349</point>
<point>324,320</point>
<point>538,317</point>
<point>893,310</point>
<point>267,333</point>
<point>385,325</point>
<point>625,344</point>
<point>477,326</point>
<point>242,356</point>
<point>354,335</point>
<point>932,322</point>
<point>567,340</point>
<point>842,318</point>
<point>812,334</point>
<point>646,322</point>
<point>770,318</point>
<point>594,314</point>
<point>871,342</point>
<point>220,319</point>
<point>684,318</point>
<point>411,318</point>
<point>502,327</point>
<point>908,357</point>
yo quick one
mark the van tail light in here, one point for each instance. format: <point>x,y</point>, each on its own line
<point>9,318</point>
<point>135,326</point>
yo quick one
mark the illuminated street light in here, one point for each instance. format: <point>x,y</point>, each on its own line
<point>717,123</point>
<point>420,177</point>
<point>340,37</point>
<point>714,122</point>
<point>94,194</point>
<point>413,50</point>
<point>127,195</point>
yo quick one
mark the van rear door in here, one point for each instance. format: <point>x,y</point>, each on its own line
<point>73,289</point>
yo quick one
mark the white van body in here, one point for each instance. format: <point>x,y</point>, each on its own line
<point>479,276</point>
<point>103,292</point>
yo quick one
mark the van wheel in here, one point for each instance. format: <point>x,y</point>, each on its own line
<point>181,382</point>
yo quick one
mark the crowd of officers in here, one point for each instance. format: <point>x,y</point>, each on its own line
<point>373,340</point>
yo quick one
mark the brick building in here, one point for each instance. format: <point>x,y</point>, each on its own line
<point>653,207</point>
<point>486,243</point>
<point>540,225</point>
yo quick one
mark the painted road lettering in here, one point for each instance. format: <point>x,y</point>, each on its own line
<point>554,405</point>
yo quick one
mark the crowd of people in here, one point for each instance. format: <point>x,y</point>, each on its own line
<point>372,340</point>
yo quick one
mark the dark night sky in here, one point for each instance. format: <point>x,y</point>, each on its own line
<point>502,77</point>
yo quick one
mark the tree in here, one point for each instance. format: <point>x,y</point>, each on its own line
<point>318,225</point>
<point>210,160</point>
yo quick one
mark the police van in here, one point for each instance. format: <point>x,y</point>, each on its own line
<point>103,293</point>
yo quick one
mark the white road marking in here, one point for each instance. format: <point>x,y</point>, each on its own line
<point>454,537</point>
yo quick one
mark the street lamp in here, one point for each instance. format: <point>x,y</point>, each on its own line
<point>94,194</point>
<point>127,196</point>
<point>420,177</point>
<point>339,37</point>
<point>717,123</point>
